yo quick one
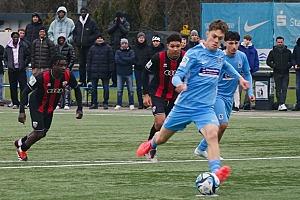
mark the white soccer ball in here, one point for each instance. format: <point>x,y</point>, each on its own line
<point>207,183</point>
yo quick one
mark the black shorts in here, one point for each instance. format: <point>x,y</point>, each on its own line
<point>161,106</point>
<point>40,121</point>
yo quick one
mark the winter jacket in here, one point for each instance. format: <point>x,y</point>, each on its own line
<point>117,31</point>
<point>23,56</point>
<point>191,44</point>
<point>142,54</point>
<point>280,60</point>
<point>42,50</point>
<point>32,29</point>
<point>1,59</point>
<point>124,59</point>
<point>85,35</point>
<point>252,56</point>
<point>58,26</point>
<point>154,50</point>
<point>296,54</point>
<point>67,50</point>
<point>100,61</point>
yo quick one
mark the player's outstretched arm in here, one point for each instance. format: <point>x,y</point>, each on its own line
<point>244,84</point>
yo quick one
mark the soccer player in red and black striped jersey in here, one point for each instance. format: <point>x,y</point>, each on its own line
<point>160,93</point>
<point>47,88</point>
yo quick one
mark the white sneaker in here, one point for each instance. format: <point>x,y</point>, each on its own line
<point>57,107</point>
<point>89,84</point>
<point>15,107</point>
<point>279,107</point>
<point>66,108</point>
<point>131,107</point>
<point>202,154</point>
<point>10,105</point>
<point>283,107</point>
<point>117,107</point>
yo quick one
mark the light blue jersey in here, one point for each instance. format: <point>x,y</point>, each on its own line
<point>227,84</point>
<point>200,69</point>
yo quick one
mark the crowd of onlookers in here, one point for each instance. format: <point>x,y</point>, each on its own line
<point>115,60</point>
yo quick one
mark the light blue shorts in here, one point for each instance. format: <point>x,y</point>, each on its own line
<point>180,117</point>
<point>223,109</point>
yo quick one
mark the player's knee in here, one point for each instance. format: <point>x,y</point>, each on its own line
<point>160,139</point>
<point>43,133</point>
<point>223,127</point>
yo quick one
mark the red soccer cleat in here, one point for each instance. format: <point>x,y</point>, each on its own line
<point>22,155</point>
<point>144,148</point>
<point>223,173</point>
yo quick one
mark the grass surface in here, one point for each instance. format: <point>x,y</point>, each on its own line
<point>94,158</point>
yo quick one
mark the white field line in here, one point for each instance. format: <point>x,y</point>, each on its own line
<point>107,163</point>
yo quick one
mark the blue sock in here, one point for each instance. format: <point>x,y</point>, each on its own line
<point>153,145</point>
<point>214,165</point>
<point>202,145</point>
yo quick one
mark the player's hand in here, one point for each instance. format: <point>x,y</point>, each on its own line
<point>22,118</point>
<point>252,98</point>
<point>79,114</point>
<point>244,84</point>
<point>147,100</point>
<point>181,87</point>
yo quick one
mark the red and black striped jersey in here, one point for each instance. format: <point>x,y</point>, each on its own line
<point>163,69</point>
<point>48,90</point>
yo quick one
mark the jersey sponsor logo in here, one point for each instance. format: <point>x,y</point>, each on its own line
<point>149,64</point>
<point>55,91</point>
<point>184,61</point>
<point>169,72</point>
<point>209,72</point>
<point>32,81</point>
<point>227,77</point>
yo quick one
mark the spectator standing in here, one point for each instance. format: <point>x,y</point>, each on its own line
<point>21,32</point>
<point>252,56</point>
<point>16,58</point>
<point>156,45</point>
<point>124,59</point>
<point>194,40</point>
<point>117,29</point>
<point>1,74</point>
<point>296,64</point>
<point>279,59</point>
<point>61,24</point>
<point>85,34</point>
<point>32,29</point>
<point>142,53</point>
<point>100,64</point>
<point>42,50</point>
<point>67,50</point>
<point>183,44</point>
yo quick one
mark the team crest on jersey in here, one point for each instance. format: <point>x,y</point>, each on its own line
<point>221,116</point>
<point>184,61</point>
<point>65,83</point>
<point>32,81</point>
<point>239,64</point>
<point>34,124</point>
<point>149,64</point>
<point>49,85</point>
<point>220,60</point>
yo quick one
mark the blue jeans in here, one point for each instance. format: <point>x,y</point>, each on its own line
<point>1,88</point>
<point>139,91</point>
<point>105,84</point>
<point>121,79</point>
<point>298,88</point>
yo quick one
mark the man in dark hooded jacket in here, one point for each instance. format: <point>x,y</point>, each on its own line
<point>32,29</point>
<point>85,33</point>
<point>296,64</point>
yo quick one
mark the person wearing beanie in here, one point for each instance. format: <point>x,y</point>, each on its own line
<point>61,24</point>
<point>32,29</point>
<point>142,54</point>
<point>16,59</point>
<point>194,40</point>
<point>117,29</point>
<point>124,60</point>
<point>42,50</point>
<point>85,34</point>
<point>100,64</point>
<point>156,45</point>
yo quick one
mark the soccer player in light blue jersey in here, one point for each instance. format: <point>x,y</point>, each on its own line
<point>227,86</point>
<point>200,69</point>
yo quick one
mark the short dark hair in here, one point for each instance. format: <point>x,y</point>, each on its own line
<point>248,37</point>
<point>279,38</point>
<point>218,25</point>
<point>58,57</point>
<point>174,37</point>
<point>232,35</point>
<point>21,29</point>
<point>14,33</point>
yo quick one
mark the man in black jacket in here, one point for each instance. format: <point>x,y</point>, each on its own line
<point>279,59</point>
<point>85,33</point>
<point>32,29</point>
<point>1,74</point>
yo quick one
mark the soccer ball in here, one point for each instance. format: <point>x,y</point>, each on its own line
<point>207,183</point>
